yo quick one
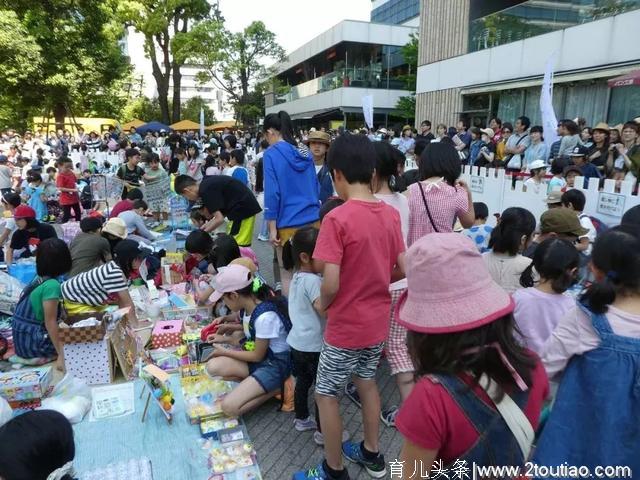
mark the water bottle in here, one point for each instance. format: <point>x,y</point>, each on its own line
<point>172,246</point>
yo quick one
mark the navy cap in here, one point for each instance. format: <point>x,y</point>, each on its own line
<point>4,159</point>
<point>580,151</point>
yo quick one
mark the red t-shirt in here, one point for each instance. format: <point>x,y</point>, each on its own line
<point>365,239</point>
<point>122,206</point>
<point>67,180</point>
<point>431,419</point>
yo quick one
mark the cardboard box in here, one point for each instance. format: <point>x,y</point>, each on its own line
<point>91,361</point>
<point>167,334</point>
<point>25,385</point>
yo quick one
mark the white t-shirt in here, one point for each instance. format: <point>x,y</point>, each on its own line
<point>270,327</point>
<point>533,186</point>
<point>401,204</point>
<point>586,222</point>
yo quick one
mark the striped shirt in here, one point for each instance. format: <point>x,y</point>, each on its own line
<point>445,204</point>
<point>94,287</point>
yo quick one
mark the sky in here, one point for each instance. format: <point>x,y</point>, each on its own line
<point>295,22</point>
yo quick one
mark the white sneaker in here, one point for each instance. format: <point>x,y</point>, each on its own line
<point>319,438</point>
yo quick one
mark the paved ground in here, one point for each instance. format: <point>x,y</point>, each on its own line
<point>281,449</point>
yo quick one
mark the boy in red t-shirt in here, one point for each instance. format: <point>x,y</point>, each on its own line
<point>361,246</point>
<point>69,198</point>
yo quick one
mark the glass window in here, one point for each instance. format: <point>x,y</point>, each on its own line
<point>625,104</point>
<point>396,11</point>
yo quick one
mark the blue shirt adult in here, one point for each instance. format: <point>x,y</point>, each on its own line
<point>589,171</point>
<point>535,151</point>
<point>291,190</point>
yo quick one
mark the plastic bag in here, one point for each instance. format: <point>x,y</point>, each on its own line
<point>10,291</point>
<point>71,397</point>
<point>5,411</point>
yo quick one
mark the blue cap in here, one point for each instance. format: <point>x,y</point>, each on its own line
<point>4,158</point>
<point>580,151</point>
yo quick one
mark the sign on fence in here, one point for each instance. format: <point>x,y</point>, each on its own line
<point>610,204</point>
<point>477,184</point>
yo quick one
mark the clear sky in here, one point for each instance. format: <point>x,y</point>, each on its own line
<point>295,22</point>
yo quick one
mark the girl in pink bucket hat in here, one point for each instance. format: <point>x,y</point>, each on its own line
<point>478,392</point>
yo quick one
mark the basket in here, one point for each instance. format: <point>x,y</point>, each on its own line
<point>82,334</point>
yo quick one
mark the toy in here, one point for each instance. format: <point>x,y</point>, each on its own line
<point>25,385</point>
<point>157,383</point>
<point>210,427</point>
<point>230,457</point>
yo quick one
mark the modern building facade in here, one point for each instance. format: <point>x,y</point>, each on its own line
<point>490,57</point>
<point>322,83</point>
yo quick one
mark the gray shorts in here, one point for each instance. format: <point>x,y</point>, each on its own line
<point>337,365</point>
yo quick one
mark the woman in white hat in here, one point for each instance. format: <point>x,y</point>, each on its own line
<point>479,392</point>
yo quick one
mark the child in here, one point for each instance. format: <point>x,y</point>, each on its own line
<point>154,174</point>
<point>480,232</point>
<point>467,360</point>
<point>575,200</point>
<point>263,364</point>
<point>387,161</point>
<point>136,228</point>
<point>307,318</point>
<point>69,198</point>
<point>536,182</point>
<point>570,174</point>
<point>508,240</point>
<point>360,239</point>
<point>597,345</point>
<point>35,320</point>
<point>557,182</point>
<point>84,184</point>
<point>197,218</point>
<point>37,445</point>
<point>237,169</point>
<point>36,196</point>
<point>541,305</point>
<point>223,163</point>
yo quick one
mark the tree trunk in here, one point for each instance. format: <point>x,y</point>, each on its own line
<point>177,81</point>
<point>162,79</point>
<point>59,112</point>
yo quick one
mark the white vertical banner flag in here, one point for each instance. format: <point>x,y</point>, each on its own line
<point>367,109</point>
<point>201,122</point>
<point>549,120</point>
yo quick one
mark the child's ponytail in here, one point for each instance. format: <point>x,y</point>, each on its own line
<point>554,260</point>
<point>616,257</point>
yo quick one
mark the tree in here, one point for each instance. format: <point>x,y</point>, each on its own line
<point>406,106</point>
<point>142,108</point>
<point>235,62</point>
<point>68,54</point>
<point>166,26</point>
<point>191,111</point>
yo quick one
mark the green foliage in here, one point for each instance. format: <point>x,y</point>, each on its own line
<point>142,108</point>
<point>168,27</point>
<point>235,63</point>
<point>63,56</point>
<point>191,111</point>
<point>406,106</point>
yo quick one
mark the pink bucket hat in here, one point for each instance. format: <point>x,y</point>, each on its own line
<point>450,289</point>
<point>229,279</point>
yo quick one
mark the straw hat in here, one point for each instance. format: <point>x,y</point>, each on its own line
<point>318,137</point>
<point>489,132</point>
<point>407,127</point>
<point>116,227</point>
<point>602,126</point>
<point>436,301</point>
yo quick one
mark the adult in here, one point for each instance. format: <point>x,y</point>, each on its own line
<point>586,137</point>
<point>89,249</point>
<point>130,172</point>
<point>134,137</point>
<point>94,142</point>
<point>624,156</point>
<point>517,144</point>
<point>501,146</point>
<point>407,142</point>
<point>223,196</point>
<point>462,138</point>
<point>425,132</point>
<point>570,134</point>
<point>319,143</point>
<point>81,137</point>
<point>580,157</point>
<point>114,231</point>
<point>29,234</point>
<point>440,197</point>
<point>6,175</point>
<point>291,190</point>
<point>487,152</point>
<point>37,313</point>
<point>600,150</point>
<point>441,132</point>
<point>496,125</point>
<point>509,239</point>
<point>91,291</point>
<point>537,149</point>
<point>10,202</point>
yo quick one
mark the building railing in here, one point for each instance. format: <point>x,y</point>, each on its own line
<point>366,77</point>
<point>536,17</point>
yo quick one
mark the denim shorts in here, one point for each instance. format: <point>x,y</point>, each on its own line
<point>272,372</point>
<point>338,364</point>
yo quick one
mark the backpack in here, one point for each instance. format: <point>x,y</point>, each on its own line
<point>598,224</point>
<point>270,306</point>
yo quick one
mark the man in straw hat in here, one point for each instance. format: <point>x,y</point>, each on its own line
<point>319,143</point>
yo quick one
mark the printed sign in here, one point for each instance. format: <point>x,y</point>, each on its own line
<point>610,204</point>
<point>157,194</point>
<point>104,187</point>
<point>477,184</point>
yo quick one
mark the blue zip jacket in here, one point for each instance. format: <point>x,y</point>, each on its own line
<point>291,187</point>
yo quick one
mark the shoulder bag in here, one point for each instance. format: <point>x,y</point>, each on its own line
<point>424,199</point>
<point>515,160</point>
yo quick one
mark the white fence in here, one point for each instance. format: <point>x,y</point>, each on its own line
<point>494,188</point>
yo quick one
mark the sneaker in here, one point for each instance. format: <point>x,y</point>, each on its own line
<point>318,473</point>
<point>376,468</point>
<point>388,416</point>
<point>351,391</point>
<point>288,396</point>
<point>305,425</point>
<point>263,238</point>
<point>319,438</point>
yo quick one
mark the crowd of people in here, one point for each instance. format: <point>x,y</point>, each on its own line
<point>476,322</point>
